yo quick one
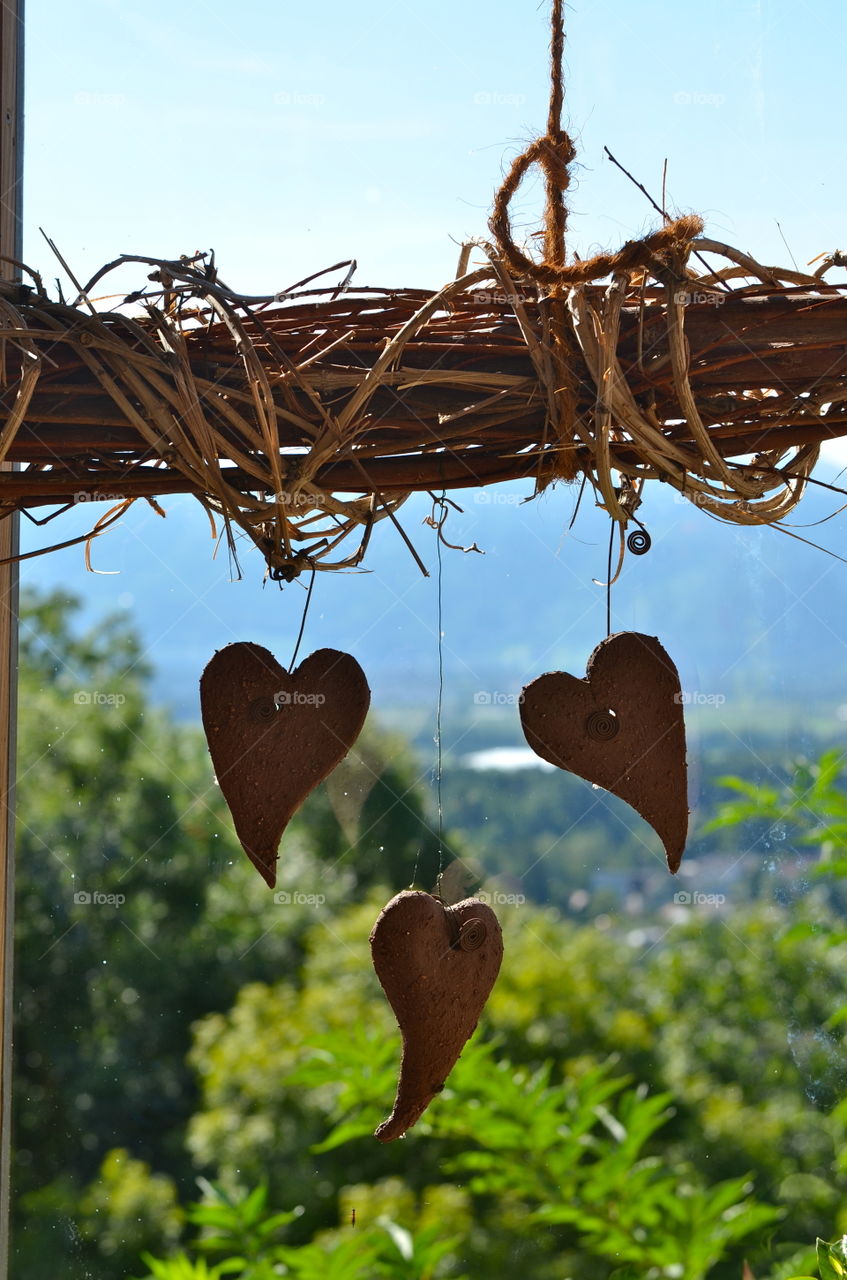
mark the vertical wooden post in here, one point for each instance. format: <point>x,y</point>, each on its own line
<point>11,204</point>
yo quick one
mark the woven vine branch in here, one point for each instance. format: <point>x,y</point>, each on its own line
<point>306,419</point>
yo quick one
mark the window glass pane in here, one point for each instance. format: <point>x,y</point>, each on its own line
<point>656,1085</point>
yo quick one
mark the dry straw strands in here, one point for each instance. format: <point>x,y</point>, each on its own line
<point>303,418</point>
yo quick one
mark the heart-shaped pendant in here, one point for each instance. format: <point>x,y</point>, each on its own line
<point>273,736</point>
<point>622,728</point>
<point>437,966</point>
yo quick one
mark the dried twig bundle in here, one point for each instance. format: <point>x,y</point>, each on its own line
<point>303,418</point>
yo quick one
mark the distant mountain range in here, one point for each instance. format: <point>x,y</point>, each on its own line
<point>754,619</point>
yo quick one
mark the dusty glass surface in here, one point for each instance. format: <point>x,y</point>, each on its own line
<point>656,1086</point>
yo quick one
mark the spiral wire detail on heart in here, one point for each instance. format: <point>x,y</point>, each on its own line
<point>263,709</point>
<point>472,934</point>
<point>602,725</point>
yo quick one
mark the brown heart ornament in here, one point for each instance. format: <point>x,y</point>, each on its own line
<point>273,736</point>
<point>437,966</point>
<point>622,728</point>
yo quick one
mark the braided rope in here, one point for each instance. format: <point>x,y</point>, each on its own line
<point>663,254</point>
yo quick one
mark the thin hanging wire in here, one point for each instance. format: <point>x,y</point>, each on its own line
<point>609,581</point>
<point>438,504</point>
<point>302,622</point>
<point>438,747</point>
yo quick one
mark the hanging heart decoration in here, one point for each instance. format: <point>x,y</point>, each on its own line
<point>274,735</point>
<point>622,728</point>
<point>437,966</point>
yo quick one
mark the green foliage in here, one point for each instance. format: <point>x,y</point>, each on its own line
<point>637,1100</point>
<point>181,1267</point>
<point>832,1259</point>
<point>557,1171</point>
<point>242,1223</point>
<point>116,808</point>
<point>239,1223</point>
<point>126,1208</point>
<point>810,799</point>
<point>321,1059</point>
<point>119,805</point>
<point>808,811</point>
<point>572,1156</point>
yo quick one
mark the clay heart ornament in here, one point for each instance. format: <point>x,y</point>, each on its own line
<point>273,736</point>
<point>437,966</point>
<point>621,728</point>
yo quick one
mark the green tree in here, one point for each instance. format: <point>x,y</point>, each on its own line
<point>137,913</point>
<point>688,1059</point>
